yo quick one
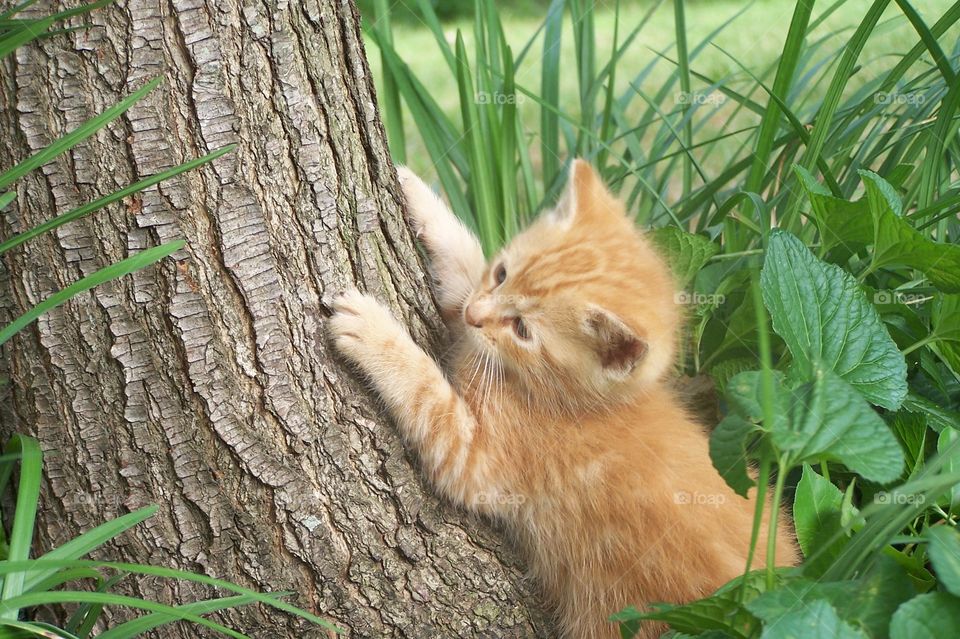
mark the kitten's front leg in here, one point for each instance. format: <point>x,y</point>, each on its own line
<point>430,415</point>
<point>456,258</point>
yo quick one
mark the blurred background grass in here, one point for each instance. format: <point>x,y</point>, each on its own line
<point>755,38</point>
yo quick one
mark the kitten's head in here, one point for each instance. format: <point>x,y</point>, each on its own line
<point>579,307</point>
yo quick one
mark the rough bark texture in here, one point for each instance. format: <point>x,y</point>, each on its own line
<point>206,384</point>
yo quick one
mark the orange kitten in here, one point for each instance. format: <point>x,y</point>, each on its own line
<point>554,417</point>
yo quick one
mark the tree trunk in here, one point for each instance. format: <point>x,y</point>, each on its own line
<point>206,384</point>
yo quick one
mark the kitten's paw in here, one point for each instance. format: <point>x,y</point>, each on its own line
<point>424,209</point>
<point>363,329</point>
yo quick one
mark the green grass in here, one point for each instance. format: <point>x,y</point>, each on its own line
<point>756,37</point>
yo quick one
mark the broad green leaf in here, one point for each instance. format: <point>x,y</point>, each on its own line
<point>728,452</point>
<point>841,223</point>
<point>823,316</point>
<point>817,516</point>
<point>743,393</point>
<point>740,331</point>
<point>896,242</point>
<point>818,619</point>
<point>945,317</point>
<point>718,612</point>
<point>911,430</point>
<point>828,420</point>
<point>944,552</point>
<point>877,219</point>
<point>935,615</point>
<point>938,417</point>
<point>867,602</point>
<point>686,253</point>
<point>724,372</point>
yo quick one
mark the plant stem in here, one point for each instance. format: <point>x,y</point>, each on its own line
<point>731,256</point>
<point>762,482</point>
<point>774,521</point>
<point>926,340</point>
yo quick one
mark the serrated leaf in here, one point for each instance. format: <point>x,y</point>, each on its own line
<point>867,602</point>
<point>817,507</point>
<point>724,372</point>
<point>896,242</point>
<point>841,223</point>
<point>944,552</point>
<point>935,615</point>
<point>685,252</point>
<point>938,417</point>
<point>945,318</point>
<point>743,393</point>
<point>728,452</point>
<point>818,619</point>
<point>823,316</point>
<point>718,612</point>
<point>911,430</point>
<point>828,420</point>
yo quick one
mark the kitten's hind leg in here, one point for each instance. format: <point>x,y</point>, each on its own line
<point>456,258</point>
<point>431,416</point>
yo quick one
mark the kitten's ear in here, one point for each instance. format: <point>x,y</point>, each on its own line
<point>619,348</point>
<point>586,195</point>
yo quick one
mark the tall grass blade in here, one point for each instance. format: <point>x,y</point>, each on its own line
<point>90,207</point>
<point>550,93</point>
<point>114,271</point>
<point>686,140</point>
<point>7,567</point>
<point>24,517</point>
<point>390,96</point>
<point>79,134</point>
<point>89,541</point>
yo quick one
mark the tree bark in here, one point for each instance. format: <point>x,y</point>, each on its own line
<point>206,384</point>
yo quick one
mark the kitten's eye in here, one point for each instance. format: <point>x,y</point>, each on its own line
<point>500,274</point>
<point>520,328</point>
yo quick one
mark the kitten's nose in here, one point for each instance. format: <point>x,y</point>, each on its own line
<point>478,311</point>
<point>472,316</point>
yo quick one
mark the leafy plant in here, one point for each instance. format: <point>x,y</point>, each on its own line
<point>27,582</point>
<point>824,207</point>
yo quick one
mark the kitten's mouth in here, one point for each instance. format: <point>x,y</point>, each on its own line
<point>479,337</point>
